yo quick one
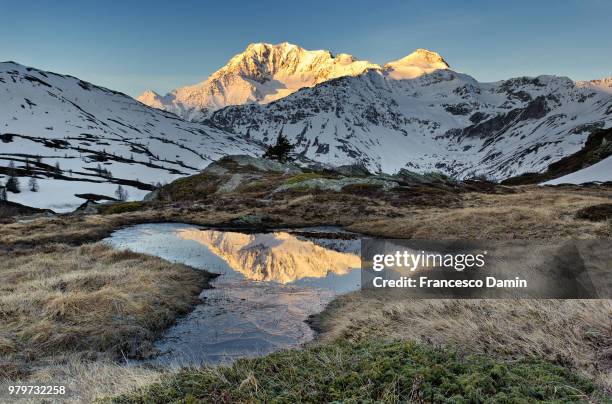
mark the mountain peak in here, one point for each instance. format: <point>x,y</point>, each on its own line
<point>603,84</point>
<point>419,62</point>
<point>257,47</point>
<point>269,54</point>
<point>262,73</point>
<point>266,72</point>
<point>151,98</point>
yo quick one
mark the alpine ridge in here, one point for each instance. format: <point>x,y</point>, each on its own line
<point>417,113</point>
<point>261,74</point>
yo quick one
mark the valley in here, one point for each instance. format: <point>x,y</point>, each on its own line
<point>149,253</point>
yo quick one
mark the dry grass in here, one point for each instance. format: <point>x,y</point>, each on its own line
<point>532,213</point>
<point>576,334</point>
<point>61,306</point>
<point>92,300</point>
<point>88,381</point>
<point>79,229</point>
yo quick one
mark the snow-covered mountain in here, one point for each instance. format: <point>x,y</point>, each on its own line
<point>417,113</point>
<point>76,138</point>
<point>261,74</point>
<point>604,84</point>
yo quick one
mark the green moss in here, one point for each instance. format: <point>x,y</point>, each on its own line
<point>370,372</point>
<point>257,186</point>
<point>121,207</point>
<point>189,188</point>
<point>302,177</point>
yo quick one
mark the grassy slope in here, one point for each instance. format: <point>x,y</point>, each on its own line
<point>91,301</point>
<point>530,212</point>
<point>370,372</point>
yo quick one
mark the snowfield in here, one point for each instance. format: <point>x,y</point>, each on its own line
<point>49,119</point>
<point>598,172</point>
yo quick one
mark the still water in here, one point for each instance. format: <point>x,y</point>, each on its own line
<point>269,284</point>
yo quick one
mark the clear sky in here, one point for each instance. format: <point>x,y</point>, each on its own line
<point>132,45</point>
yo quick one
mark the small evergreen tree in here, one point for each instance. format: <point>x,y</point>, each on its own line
<point>12,182</point>
<point>281,150</point>
<point>12,185</point>
<point>2,193</point>
<point>121,193</point>
<point>33,184</point>
<point>57,167</point>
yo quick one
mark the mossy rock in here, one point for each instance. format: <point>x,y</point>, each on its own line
<point>296,179</point>
<point>121,207</point>
<point>197,186</point>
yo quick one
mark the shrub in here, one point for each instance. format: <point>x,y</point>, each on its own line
<point>596,213</point>
<point>362,189</point>
<point>370,372</point>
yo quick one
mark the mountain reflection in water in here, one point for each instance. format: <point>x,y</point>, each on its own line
<point>279,256</point>
<point>269,284</point>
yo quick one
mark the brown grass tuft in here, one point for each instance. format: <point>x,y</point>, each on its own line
<point>91,300</point>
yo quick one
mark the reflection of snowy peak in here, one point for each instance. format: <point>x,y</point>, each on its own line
<point>440,121</point>
<point>99,138</point>
<point>262,73</point>
<point>279,257</point>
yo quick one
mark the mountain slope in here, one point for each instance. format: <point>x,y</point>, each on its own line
<point>419,114</point>
<point>598,172</point>
<point>260,74</point>
<point>78,138</point>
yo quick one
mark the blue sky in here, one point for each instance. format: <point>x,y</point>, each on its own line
<point>134,45</point>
